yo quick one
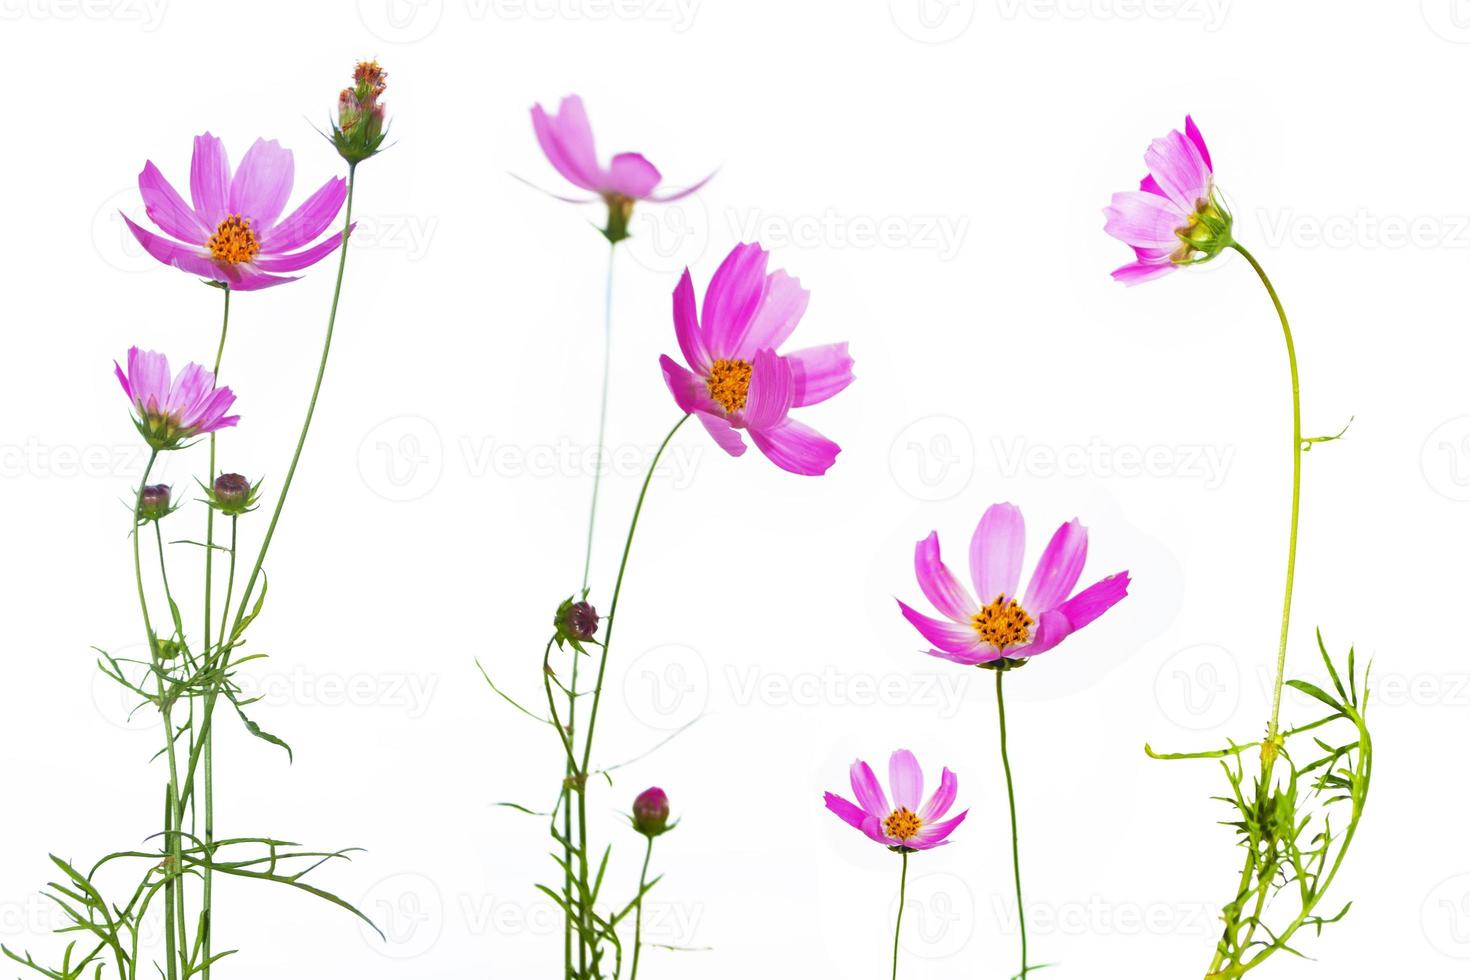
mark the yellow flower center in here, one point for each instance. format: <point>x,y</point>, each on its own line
<point>1003,623</point>
<point>902,824</point>
<point>729,383</point>
<point>233,241</point>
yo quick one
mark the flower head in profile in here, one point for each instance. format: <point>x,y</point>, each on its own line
<point>566,139</point>
<point>169,410</point>
<point>359,129</point>
<point>1175,217</point>
<point>651,812</point>
<point>233,234</point>
<point>904,825</point>
<point>735,378</point>
<point>997,628</point>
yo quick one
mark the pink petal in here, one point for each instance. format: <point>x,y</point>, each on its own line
<point>1143,270</point>
<point>1181,172</point>
<point>262,184</point>
<point>1144,220</point>
<point>934,834</point>
<point>631,175</point>
<point>996,550</point>
<point>796,448</point>
<point>686,326</point>
<point>867,790</point>
<point>942,799</point>
<point>1051,628</point>
<point>676,195</point>
<point>733,299</point>
<point>906,780</point>
<point>949,637</point>
<point>167,209</point>
<point>183,257</point>
<point>1058,570</point>
<point>726,436</point>
<point>209,180</point>
<point>819,372</point>
<point>1193,133</point>
<point>245,279</point>
<point>566,139</point>
<point>309,220</point>
<point>939,584</point>
<point>771,389</point>
<point>982,654</point>
<point>855,816</point>
<point>688,389</point>
<point>1095,600</point>
<point>296,261</point>
<point>779,312</point>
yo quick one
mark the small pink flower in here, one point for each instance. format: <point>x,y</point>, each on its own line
<point>1174,218</point>
<point>906,826</point>
<point>171,410</point>
<point>566,139</point>
<point>231,235</point>
<point>738,381</point>
<point>997,626</point>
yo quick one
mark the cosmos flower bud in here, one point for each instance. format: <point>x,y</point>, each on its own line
<point>166,649</point>
<point>359,129</point>
<point>232,494</point>
<point>651,812</point>
<point>154,504</point>
<point>576,623</point>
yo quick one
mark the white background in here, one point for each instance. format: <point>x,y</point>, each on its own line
<point>436,519</point>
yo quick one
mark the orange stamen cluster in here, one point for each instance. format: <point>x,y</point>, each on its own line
<point>233,241</point>
<point>729,383</point>
<point>1003,623</point>
<point>902,824</point>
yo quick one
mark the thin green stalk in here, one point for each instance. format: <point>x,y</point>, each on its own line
<point>638,913</point>
<point>571,733</point>
<point>1296,497</point>
<point>1005,761</point>
<point>602,414</point>
<point>206,912</point>
<point>581,786</point>
<point>903,884</point>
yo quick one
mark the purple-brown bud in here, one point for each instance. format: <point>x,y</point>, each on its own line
<point>232,494</point>
<point>154,503</point>
<point>576,623</point>
<point>651,812</point>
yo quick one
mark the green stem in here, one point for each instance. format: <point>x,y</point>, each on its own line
<point>903,884</point>
<point>1296,495</point>
<point>206,912</point>
<point>1005,761</point>
<point>602,413</point>
<point>638,912</point>
<point>585,771</point>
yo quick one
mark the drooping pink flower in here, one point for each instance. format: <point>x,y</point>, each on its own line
<point>736,379</point>
<point>232,234</point>
<point>997,625</point>
<point>905,826</point>
<point>1175,217</point>
<point>566,139</point>
<point>172,409</point>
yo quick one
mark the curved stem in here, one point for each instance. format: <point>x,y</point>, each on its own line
<point>602,413</point>
<point>1296,495</point>
<point>638,913</point>
<point>207,905</point>
<point>903,884</point>
<point>1000,707</point>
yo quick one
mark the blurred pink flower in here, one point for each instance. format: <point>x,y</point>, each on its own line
<point>906,826</point>
<point>171,410</point>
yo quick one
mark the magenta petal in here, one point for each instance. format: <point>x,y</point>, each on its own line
<point>1179,169</point>
<point>942,799</point>
<point>309,220</point>
<point>780,310</point>
<point>688,389</point>
<point>209,180</point>
<point>179,256</point>
<point>1193,133</point>
<point>819,372</point>
<point>855,816</point>
<point>122,379</point>
<point>297,261</point>
<point>866,788</point>
<point>771,389</point>
<point>1143,270</point>
<point>244,279</point>
<point>676,195</point>
<point>934,834</point>
<point>939,584</point>
<point>167,209</point>
<point>1095,600</point>
<point>566,139</point>
<point>262,184</point>
<point>906,780</point>
<point>1058,570</point>
<point>949,637</point>
<point>1144,220</point>
<point>796,448</point>
<point>686,326</point>
<point>982,654</point>
<point>725,435</point>
<point>1051,628</point>
<point>996,550</point>
<point>631,175</point>
<point>733,299</point>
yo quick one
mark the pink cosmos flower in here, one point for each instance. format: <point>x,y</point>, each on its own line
<point>906,826</point>
<point>1174,218</point>
<point>738,381</point>
<point>172,409</point>
<point>231,235</point>
<point>997,626</point>
<point>566,139</point>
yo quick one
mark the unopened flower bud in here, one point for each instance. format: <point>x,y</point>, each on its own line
<point>155,502</point>
<point>651,812</point>
<point>359,129</point>
<point>232,494</point>
<point>576,623</point>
